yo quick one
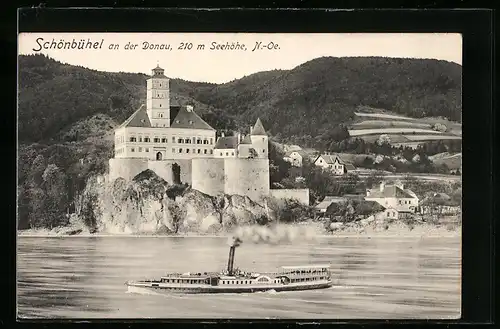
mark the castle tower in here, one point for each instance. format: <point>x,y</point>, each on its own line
<point>158,98</point>
<point>260,140</point>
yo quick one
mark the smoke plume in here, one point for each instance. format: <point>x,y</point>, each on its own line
<point>278,234</point>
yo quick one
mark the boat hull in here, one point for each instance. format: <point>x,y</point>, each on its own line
<point>206,289</point>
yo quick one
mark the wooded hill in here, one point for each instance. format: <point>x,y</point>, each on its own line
<point>308,100</point>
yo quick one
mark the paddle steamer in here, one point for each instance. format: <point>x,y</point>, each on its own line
<point>287,278</point>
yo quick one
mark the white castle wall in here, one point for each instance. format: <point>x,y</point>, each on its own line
<point>249,177</point>
<point>126,168</point>
<point>162,169</point>
<point>301,195</point>
<point>208,176</point>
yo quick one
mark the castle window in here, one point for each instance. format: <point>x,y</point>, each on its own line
<point>194,140</point>
<point>211,141</point>
<point>140,138</point>
<point>132,150</point>
<point>188,141</point>
<point>173,139</point>
<point>263,151</point>
<point>187,150</point>
<point>146,139</point>
<point>164,140</point>
<point>160,113</point>
<point>232,153</point>
<point>156,140</point>
<point>140,149</point>
<point>147,149</point>
<point>199,151</point>
<point>180,140</point>
<point>220,153</point>
<point>198,141</point>
<point>263,139</point>
<point>205,151</point>
<point>211,151</point>
<point>133,139</point>
<point>205,141</point>
<point>180,150</point>
<point>227,154</point>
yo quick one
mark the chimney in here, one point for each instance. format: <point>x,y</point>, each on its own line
<point>221,134</point>
<point>382,186</point>
<point>230,261</point>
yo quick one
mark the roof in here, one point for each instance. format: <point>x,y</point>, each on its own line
<point>349,166</point>
<point>258,129</point>
<point>301,152</point>
<point>439,199</point>
<point>138,119</point>
<point>391,191</point>
<point>328,200</point>
<point>158,72</point>
<point>189,119</point>
<point>305,267</point>
<point>229,142</point>
<point>328,158</point>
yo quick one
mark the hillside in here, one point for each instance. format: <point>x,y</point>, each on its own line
<point>56,100</point>
<point>309,99</point>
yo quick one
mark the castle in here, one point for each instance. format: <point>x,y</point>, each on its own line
<point>180,147</point>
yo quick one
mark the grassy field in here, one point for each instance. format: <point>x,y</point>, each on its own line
<point>371,123</point>
<point>453,161</point>
<point>431,137</point>
<point>365,124</point>
<point>361,132</point>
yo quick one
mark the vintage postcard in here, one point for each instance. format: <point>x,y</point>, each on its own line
<point>239,175</point>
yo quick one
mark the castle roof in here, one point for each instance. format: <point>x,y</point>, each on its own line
<point>187,118</point>
<point>158,72</point>
<point>258,129</point>
<point>246,140</point>
<point>138,119</point>
<point>229,142</point>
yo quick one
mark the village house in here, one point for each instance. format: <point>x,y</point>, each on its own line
<point>296,158</point>
<point>321,207</point>
<point>439,203</point>
<point>334,163</point>
<point>394,198</point>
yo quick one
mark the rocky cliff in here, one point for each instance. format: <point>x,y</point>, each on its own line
<point>149,205</point>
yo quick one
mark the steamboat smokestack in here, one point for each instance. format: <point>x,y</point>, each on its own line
<point>233,243</point>
<point>230,261</point>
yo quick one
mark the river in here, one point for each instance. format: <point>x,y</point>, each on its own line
<point>375,278</point>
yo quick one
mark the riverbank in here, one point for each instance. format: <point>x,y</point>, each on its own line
<point>314,230</point>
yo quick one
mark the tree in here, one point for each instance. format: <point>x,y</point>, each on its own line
<point>178,214</point>
<point>54,184</point>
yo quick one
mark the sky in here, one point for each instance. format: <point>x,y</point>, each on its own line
<point>283,51</point>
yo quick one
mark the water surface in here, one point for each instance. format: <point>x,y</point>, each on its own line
<point>375,278</point>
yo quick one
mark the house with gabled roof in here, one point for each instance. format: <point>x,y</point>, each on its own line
<point>394,196</point>
<point>249,146</point>
<point>334,163</point>
<point>296,157</point>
